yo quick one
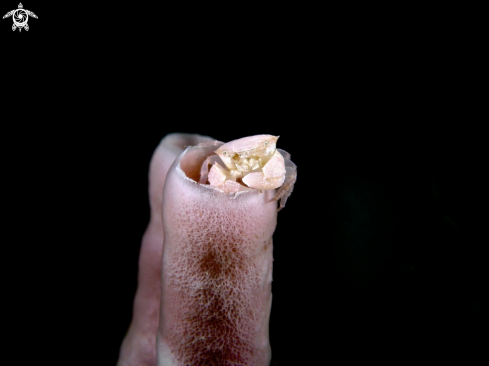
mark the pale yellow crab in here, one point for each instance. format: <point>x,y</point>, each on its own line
<point>251,163</point>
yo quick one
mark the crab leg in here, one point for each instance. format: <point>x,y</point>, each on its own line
<point>216,272</point>
<point>286,189</point>
<point>139,345</point>
<point>204,170</point>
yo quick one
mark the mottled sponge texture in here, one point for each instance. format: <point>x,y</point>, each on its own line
<point>217,270</point>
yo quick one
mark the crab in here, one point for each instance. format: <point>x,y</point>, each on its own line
<point>251,163</point>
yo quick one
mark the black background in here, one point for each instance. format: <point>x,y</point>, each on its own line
<point>379,251</point>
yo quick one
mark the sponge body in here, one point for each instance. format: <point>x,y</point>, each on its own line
<point>216,271</point>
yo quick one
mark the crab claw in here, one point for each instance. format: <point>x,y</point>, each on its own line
<point>258,181</point>
<point>272,175</point>
<point>220,178</point>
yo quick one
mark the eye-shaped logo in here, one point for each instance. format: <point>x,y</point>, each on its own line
<point>20,17</point>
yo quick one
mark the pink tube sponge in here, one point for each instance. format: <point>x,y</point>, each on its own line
<point>204,289</point>
<point>217,269</point>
